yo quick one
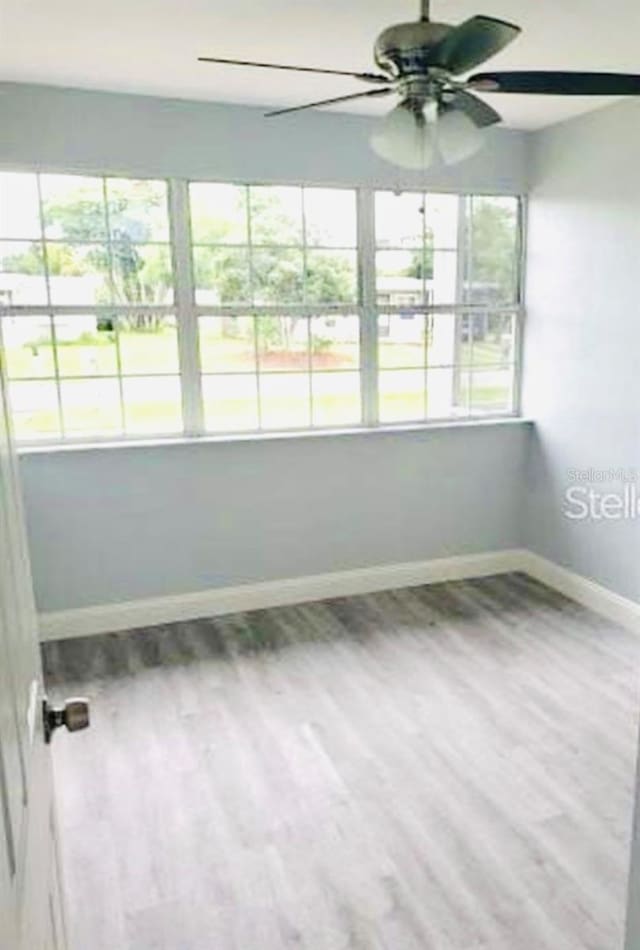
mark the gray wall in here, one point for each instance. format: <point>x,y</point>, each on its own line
<point>582,355</point>
<point>115,524</point>
<point>75,130</point>
<point>107,525</point>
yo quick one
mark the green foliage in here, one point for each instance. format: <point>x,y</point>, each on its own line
<point>320,344</point>
<point>277,270</point>
<point>493,233</point>
<point>62,261</point>
<point>137,275</point>
<point>277,275</point>
<point>274,333</point>
<point>330,279</point>
<point>422,263</point>
<point>28,262</point>
<point>80,218</point>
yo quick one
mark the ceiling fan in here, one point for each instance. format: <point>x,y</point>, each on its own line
<point>439,117</point>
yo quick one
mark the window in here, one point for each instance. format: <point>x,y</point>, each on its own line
<point>141,308</point>
<point>275,276</point>
<point>87,292</point>
<point>447,285</point>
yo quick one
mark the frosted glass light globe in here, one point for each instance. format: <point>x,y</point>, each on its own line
<point>405,138</point>
<point>458,137</point>
<point>416,138</point>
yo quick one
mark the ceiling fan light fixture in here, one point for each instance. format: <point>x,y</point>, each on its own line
<point>418,136</point>
<point>406,137</point>
<point>458,137</point>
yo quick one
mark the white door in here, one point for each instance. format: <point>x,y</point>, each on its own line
<point>31,915</point>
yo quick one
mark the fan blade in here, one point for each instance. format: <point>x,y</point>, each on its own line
<point>558,84</point>
<point>366,77</point>
<point>471,43</point>
<point>328,102</point>
<point>479,112</point>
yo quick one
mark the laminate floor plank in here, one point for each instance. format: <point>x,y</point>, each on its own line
<point>447,767</point>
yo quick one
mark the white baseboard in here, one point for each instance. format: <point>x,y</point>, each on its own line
<point>615,607</point>
<point>109,618</point>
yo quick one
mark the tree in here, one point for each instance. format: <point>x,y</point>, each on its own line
<point>135,271</point>
<point>132,274</point>
<point>493,226</point>
<point>276,273</point>
<point>422,263</point>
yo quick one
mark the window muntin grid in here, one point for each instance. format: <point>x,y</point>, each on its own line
<point>92,258</point>
<point>267,245</point>
<point>443,365</point>
<point>110,393</point>
<point>312,381</point>
<point>449,315</point>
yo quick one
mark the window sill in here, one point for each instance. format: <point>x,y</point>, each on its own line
<point>362,431</point>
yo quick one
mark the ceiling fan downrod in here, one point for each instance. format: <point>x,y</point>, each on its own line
<point>425,10</point>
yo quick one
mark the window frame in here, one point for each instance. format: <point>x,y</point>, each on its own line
<point>52,312</point>
<point>366,307</point>
<point>458,309</point>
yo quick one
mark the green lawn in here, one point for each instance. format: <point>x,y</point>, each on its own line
<point>140,353</point>
<point>91,402</point>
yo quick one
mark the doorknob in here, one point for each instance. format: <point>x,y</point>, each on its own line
<point>74,715</point>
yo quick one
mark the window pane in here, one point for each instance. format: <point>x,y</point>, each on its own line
<point>221,275</point>
<point>153,405</point>
<point>27,346</point>
<point>487,338</point>
<point>446,392</point>
<point>399,220</point>
<point>91,406</point>
<point>148,344</point>
<point>402,395</point>
<point>282,343</point>
<point>401,340</point>
<point>491,272</point>
<point>73,208</point>
<point>85,346</point>
<point>491,389</point>
<point>230,403</point>
<point>227,344</point>
<point>336,399</point>
<point>35,410</point>
<point>441,220</point>
<point>22,279</point>
<point>137,210</point>
<point>331,277</point>
<point>277,276</point>
<point>276,215</point>
<point>218,213</point>
<point>442,282</point>
<point>399,278</point>
<point>330,217</point>
<point>19,206</point>
<point>335,342</point>
<point>445,331</point>
<point>142,275</point>
<point>284,400</point>
<point>79,274</point>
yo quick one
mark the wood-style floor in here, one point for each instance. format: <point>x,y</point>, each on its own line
<point>442,768</point>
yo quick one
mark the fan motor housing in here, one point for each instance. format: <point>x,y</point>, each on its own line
<point>406,48</point>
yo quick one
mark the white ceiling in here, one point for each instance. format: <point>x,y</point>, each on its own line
<point>150,46</point>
